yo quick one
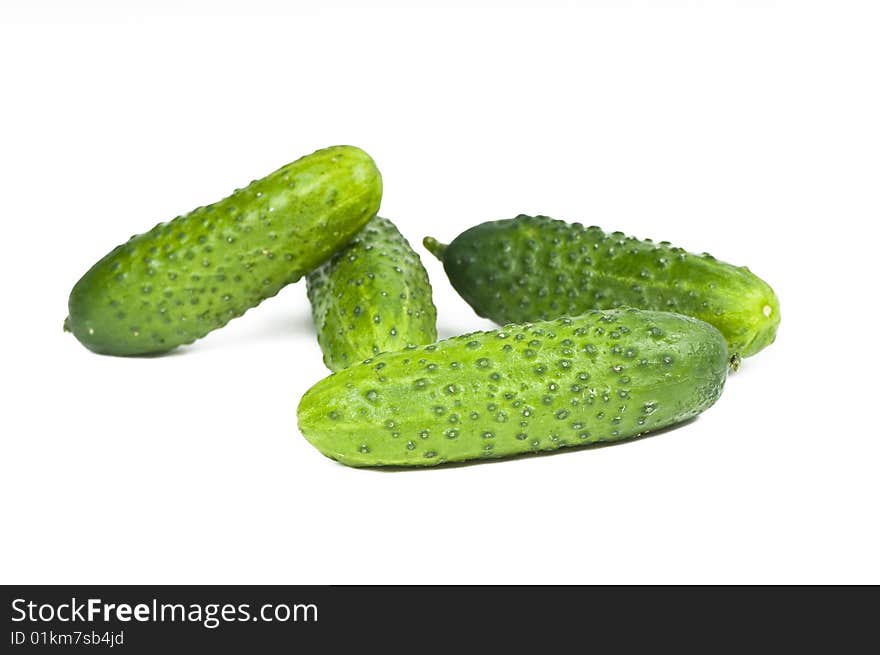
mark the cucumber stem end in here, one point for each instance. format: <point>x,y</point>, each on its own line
<point>434,247</point>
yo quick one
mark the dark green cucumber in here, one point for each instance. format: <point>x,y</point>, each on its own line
<point>533,268</point>
<point>370,297</point>
<point>182,279</point>
<point>603,376</point>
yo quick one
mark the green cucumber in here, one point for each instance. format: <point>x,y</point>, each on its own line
<point>371,297</point>
<point>603,376</point>
<point>535,268</point>
<point>183,279</point>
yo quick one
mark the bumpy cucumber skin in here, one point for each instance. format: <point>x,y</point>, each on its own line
<point>370,297</point>
<point>536,268</point>
<point>183,279</point>
<point>603,376</point>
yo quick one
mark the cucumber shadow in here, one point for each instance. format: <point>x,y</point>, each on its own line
<point>538,454</point>
<point>268,329</point>
<point>283,327</point>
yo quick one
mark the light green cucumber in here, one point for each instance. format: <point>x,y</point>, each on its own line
<point>532,268</point>
<point>372,296</point>
<point>183,279</point>
<point>603,376</point>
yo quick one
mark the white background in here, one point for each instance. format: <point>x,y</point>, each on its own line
<point>748,129</point>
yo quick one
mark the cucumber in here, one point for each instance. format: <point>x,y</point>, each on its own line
<point>535,268</point>
<point>603,376</point>
<point>183,279</point>
<point>371,297</point>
